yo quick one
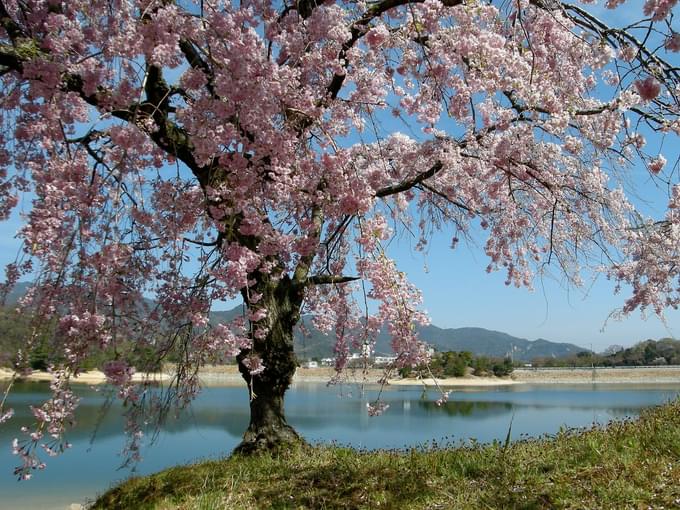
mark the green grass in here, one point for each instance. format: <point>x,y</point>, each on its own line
<point>629,464</point>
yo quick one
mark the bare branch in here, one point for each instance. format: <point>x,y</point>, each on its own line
<point>410,183</point>
<point>331,279</point>
<point>448,199</point>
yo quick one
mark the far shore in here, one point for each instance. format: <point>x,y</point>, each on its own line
<point>228,375</point>
<point>615,375</point>
<point>86,377</point>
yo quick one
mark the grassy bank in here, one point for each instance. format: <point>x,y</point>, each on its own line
<point>631,464</point>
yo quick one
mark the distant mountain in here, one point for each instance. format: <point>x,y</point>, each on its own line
<point>479,341</point>
<point>16,293</point>
<point>485,342</point>
<point>226,315</point>
<point>311,344</point>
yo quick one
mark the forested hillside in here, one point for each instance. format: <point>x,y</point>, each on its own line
<point>650,352</point>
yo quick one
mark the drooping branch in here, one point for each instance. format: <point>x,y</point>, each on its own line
<point>166,134</point>
<point>588,21</point>
<point>448,199</point>
<point>169,137</point>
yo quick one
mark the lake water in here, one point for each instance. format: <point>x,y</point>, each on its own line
<point>219,416</point>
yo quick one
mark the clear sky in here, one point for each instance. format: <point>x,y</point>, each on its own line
<point>458,292</point>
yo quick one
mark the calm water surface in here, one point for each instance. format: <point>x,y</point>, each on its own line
<point>217,419</point>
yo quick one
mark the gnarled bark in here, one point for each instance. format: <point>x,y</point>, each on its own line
<point>268,429</point>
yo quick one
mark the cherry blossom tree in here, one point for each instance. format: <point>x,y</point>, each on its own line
<point>171,154</point>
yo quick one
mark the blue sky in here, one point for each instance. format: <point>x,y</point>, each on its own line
<point>458,292</point>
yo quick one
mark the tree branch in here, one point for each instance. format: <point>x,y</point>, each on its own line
<point>451,201</point>
<point>331,279</point>
<point>359,29</point>
<point>197,62</point>
<point>304,265</point>
<point>11,27</point>
<point>409,183</point>
<point>586,20</point>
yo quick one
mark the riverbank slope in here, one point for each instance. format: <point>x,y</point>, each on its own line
<point>628,464</point>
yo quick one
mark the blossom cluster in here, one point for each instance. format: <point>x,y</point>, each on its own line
<point>170,156</point>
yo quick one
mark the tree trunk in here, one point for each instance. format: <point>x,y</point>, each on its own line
<point>268,429</point>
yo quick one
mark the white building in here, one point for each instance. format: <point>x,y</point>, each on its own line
<point>384,360</point>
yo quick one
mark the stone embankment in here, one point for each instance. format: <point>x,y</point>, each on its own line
<point>587,375</point>
<point>229,376</point>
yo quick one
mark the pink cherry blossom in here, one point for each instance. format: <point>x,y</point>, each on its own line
<point>254,365</point>
<point>118,372</point>
<point>656,164</point>
<point>377,408</point>
<point>673,42</point>
<point>658,9</point>
<point>168,158</point>
<point>648,88</point>
<point>6,415</point>
<point>376,36</point>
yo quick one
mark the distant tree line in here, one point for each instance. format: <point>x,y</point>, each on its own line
<point>459,364</point>
<point>650,352</point>
<point>25,343</point>
<point>16,329</point>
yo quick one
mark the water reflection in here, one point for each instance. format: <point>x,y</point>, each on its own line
<point>93,416</point>
<point>215,422</point>
<point>467,408</point>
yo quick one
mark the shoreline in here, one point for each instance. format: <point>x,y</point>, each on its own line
<point>228,375</point>
<point>86,377</point>
<point>618,375</point>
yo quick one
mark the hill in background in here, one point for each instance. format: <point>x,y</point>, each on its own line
<point>478,341</point>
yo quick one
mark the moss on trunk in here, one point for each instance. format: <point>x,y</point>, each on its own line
<point>268,429</point>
